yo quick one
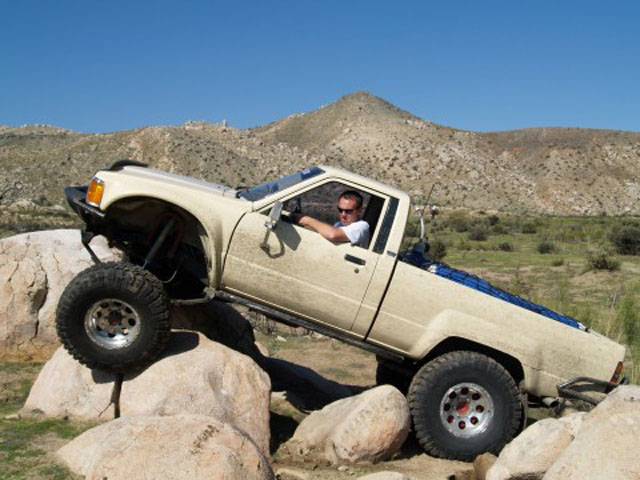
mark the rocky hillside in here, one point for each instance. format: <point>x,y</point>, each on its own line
<point>546,170</point>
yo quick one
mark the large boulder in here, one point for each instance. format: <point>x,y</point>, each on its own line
<point>608,442</point>
<point>198,376</point>
<point>65,388</point>
<point>368,427</point>
<point>194,375</point>
<point>179,447</point>
<point>34,269</point>
<point>532,452</point>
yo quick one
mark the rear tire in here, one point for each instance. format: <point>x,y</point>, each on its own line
<point>114,316</point>
<point>464,404</point>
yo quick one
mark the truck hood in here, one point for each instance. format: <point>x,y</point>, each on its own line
<point>181,181</point>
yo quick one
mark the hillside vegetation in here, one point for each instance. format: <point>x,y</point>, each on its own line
<point>545,170</point>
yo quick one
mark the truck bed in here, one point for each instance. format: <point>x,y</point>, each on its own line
<point>472,281</point>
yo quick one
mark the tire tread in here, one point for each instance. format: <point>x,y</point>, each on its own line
<point>136,280</point>
<point>451,362</point>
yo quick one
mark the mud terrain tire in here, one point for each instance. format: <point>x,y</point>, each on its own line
<point>114,316</point>
<point>464,404</point>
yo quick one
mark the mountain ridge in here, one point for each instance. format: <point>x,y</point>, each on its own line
<point>564,171</point>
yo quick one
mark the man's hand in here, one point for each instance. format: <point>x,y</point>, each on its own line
<point>295,218</point>
<point>329,232</point>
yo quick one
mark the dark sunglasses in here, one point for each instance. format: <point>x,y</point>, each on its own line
<point>348,211</point>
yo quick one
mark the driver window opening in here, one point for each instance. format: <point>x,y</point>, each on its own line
<point>321,203</point>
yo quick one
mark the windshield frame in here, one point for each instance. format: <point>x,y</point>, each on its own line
<point>264,190</point>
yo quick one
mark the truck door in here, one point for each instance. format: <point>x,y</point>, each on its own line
<point>296,269</point>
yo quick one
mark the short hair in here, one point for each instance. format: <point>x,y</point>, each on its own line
<point>352,195</point>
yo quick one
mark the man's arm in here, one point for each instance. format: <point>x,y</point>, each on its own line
<point>334,234</point>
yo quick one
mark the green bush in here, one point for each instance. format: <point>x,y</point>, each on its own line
<point>546,246</point>
<point>499,229</point>
<point>458,221</point>
<point>627,315</point>
<point>558,262</point>
<point>529,227</point>
<point>569,232</point>
<point>437,249</point>
<point>478,233</point>
<point>626,238</point>
<point>464,245</point>
<point>601,260</point>
<point>505,246</point>
<point>493,220</point>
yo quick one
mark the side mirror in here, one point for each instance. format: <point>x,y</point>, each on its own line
<point>274,216</point>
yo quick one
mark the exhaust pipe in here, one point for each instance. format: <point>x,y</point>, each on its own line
<point>551,402</point>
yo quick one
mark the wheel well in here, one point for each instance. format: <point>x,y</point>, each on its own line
<point>134,226</point>
<point>451,344</point>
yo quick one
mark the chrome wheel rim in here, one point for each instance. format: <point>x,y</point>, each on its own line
<point>112,323</point>
<point>466,410</point>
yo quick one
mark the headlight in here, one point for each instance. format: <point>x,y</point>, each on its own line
<point>94,194</point>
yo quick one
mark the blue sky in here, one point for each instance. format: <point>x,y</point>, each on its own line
<point>476,65</point>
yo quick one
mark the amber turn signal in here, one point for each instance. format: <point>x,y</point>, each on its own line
<point>94,194</point>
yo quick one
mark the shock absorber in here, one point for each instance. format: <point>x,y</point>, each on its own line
<point>166,230</point>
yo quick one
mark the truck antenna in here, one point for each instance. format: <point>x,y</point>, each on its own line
<point>434,211</point>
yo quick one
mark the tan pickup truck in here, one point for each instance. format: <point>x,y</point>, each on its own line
<point>470,356</point>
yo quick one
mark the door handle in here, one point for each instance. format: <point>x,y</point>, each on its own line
<point>356,260</point>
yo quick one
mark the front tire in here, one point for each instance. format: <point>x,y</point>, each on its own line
<point>464,404</point>
<point>114,316</point>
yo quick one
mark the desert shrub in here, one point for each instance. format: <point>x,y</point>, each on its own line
<point>413,227</point>
<point>529,228</point>
<point>505,246</point>
<point>463,245</point>
<point>458,221</point>
<point>435,226</point>
<point>626,238</point>
<point>601,260</point>
<point>499,229</point>
<point>628,316</point>
<point>557,262</point>
<point>545,246</point>
<point>493,220</point>
<point>437,249</point>
<point>569,232</point>
<point>478,233</point>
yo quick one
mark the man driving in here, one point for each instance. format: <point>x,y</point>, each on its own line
<point>350,228</point>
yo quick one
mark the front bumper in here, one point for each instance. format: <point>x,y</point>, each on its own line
<point>90,215</point>
<point>76,199</point>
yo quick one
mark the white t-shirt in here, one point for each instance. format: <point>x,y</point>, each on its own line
<point>357,232</point>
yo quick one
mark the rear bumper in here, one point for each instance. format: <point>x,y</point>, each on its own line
<point>577,389</point>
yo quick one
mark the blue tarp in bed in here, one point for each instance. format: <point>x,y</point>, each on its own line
<point>477,283</point>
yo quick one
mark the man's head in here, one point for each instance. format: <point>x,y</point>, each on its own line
<point>350,207</point>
